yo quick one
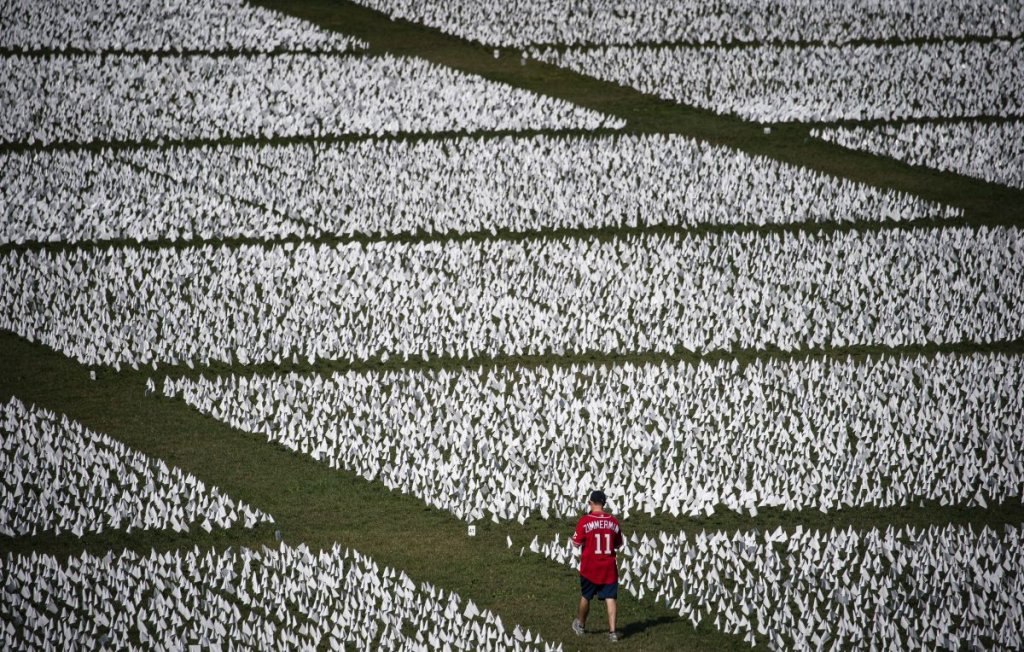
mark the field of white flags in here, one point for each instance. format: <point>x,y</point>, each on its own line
<point>941,588</point>
<point>822,83</point>
<point>446,186</point>
<point>905,68</point>
<point>267,598</point>
<point>518,23</point>
<point>61,477</point>
<point>320,321</point>
<point>133,99</point>
<point>663,438</point>
<point>100,26</point>
<point>993,151</point>
<point>466,299</point>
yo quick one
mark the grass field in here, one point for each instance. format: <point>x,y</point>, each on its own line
<point>319,506</point>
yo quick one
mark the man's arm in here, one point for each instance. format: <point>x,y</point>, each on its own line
<point>577,538</point>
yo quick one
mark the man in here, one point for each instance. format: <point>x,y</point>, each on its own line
<point>600,536</point>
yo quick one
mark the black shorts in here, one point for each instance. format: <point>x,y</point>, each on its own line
<point>603,591</point>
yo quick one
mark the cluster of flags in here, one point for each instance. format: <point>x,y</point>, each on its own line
<point>132,98</point>
<point>59,477</point>
<point>432,187</point>
<point>799,83</point>
<point>471,299</point>
<point>83,195</point>
<point>104,26</point>
<point>526,184</point>
<point>289,597</point>
<point>520,23</point>
<point>678,439</point>
<point>948,586</point>
<point>993,151</point>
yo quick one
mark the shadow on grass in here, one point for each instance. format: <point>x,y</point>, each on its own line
<point>634,628</point>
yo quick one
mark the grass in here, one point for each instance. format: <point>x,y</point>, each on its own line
<point>601,234</point>
<point>318,506</point>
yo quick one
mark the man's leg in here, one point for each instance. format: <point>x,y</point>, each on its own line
<point>584,609</point>
<point>613,610</point>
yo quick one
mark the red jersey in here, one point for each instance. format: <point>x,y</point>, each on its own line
<point>600,536</point>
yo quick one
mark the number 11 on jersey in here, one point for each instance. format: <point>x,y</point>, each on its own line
<point>607,543</point>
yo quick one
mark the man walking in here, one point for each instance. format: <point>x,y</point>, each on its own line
<point>600,536</point>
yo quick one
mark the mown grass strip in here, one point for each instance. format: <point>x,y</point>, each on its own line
<point>681,355</point>
<point>601,234</point>
<point>216,53</point>
<point>262,141</point>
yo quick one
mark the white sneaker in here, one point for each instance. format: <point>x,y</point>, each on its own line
<point>613,636</point>
<point>577,627</point>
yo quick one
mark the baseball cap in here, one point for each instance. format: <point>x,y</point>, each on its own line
<point>598,497</point>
